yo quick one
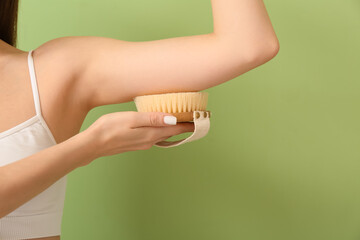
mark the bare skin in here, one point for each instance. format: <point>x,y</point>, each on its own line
<point>76,74</point>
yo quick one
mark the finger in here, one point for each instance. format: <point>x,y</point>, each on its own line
<point>153,119</point>
<point>187,127</point>
<point>175,130</point>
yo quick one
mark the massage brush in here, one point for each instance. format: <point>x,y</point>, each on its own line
<point>185,106</point>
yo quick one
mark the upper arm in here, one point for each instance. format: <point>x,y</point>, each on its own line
<point>110,71</point>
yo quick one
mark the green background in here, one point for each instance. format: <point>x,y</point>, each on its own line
<point>281,160</point>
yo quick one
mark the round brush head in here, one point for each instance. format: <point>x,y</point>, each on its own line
<point>181,105</point>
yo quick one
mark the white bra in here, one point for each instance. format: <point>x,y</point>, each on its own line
<point>41,216</point>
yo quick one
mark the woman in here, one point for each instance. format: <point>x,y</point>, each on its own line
<point>46,93</point>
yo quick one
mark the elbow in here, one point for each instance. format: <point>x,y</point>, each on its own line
<point>264,52</point>
<point>272,50</point>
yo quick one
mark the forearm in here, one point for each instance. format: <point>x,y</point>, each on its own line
<point>28,177</point>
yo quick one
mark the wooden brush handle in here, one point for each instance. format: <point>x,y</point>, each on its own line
<point>189,116</point>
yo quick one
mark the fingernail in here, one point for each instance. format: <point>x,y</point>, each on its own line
<point>171,120</point>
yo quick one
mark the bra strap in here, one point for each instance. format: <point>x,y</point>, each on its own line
<point>34,84</point>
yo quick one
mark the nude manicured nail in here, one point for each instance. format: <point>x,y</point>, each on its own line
<point>170,120</point>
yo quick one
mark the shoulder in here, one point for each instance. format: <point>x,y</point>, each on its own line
<point>64,101</point>
<point>75,50</point>
<point>59,63</point>
<point>66,53</point>
<point>82,64</point>
<point>73,60</point>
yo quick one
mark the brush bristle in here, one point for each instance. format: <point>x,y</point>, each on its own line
<point>172,102</point>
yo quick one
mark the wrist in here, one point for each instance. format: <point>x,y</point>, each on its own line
<point>87,146</point>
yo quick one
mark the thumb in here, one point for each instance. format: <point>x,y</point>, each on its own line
<point>154,119</point>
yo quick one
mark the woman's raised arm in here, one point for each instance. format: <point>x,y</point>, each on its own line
<point>110,71</point>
